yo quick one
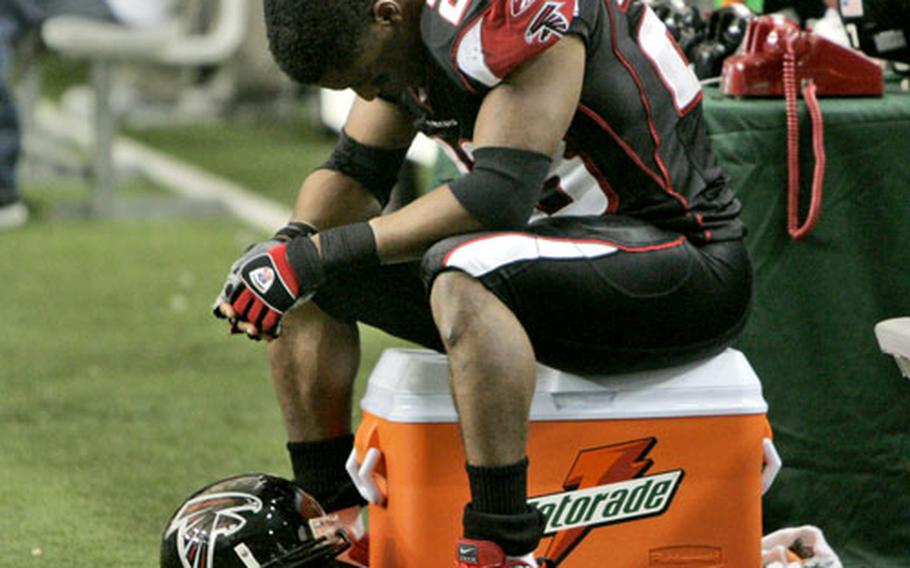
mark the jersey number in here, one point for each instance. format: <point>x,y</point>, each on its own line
<point>570,189</point>
<point>451,10</point>
<point>668,62</point>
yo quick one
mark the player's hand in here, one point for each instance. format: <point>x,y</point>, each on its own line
<point>233,279</point>
<point>222,305</point>
<point>264,284</point>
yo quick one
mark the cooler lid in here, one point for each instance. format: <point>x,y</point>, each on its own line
<point>409,385</point>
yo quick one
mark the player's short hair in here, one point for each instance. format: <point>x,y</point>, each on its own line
<point>309,37</point>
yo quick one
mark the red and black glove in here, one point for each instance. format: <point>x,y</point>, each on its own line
<point>268,285</point>
<point>273,277</point>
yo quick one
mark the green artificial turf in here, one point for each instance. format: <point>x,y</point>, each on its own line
<point>268,156</point>
<point>119,393</point>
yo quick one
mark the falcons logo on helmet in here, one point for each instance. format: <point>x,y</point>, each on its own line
<point>201,521</point>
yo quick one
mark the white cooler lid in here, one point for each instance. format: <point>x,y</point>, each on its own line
<point>409,385</point>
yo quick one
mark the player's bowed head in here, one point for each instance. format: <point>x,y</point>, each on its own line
<point>371,46</point>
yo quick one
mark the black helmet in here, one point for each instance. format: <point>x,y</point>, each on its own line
<point>726,30</point>
<point>684,22</point>
<point>251,521</point>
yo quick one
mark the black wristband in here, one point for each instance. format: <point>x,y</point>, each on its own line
<point>303,256</point>
<point>295,229</point>
<point>349,246</point>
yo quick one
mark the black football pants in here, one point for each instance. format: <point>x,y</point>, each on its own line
<point>596,295</point>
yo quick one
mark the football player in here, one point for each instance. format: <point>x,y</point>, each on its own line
<point>591,230</point>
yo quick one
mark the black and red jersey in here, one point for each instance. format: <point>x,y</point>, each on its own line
<point>636,145</point>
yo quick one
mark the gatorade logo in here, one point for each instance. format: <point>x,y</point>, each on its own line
<point>609,503</point>
<point>605,486</point>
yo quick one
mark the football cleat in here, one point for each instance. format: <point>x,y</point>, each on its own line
<point>358,555</point>
<point>487,554</point>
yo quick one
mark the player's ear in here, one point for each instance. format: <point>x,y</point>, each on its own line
<point>387,11</point>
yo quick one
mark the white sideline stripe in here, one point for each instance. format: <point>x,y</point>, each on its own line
<point>192,182</point>
<point>486,254</point>
<point>178,176</point>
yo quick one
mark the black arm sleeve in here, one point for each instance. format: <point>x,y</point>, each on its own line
<point>501,190</point>
<point>376,169</point>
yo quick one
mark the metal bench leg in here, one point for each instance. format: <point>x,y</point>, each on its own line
<point>103,148</point>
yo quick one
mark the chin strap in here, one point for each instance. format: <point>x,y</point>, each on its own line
<point>796,230</point>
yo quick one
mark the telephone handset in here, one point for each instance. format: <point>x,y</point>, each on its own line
<point>757,71</point>
<point>777,57</point>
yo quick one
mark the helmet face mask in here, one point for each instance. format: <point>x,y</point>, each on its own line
<point>251,521</point>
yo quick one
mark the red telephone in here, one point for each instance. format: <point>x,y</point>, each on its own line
<point>777,57</point>
<point>758,71</point>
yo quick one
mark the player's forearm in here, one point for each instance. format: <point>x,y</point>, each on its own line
<point>264,286</point>
<point>329,199</point>
<point>407,233</point>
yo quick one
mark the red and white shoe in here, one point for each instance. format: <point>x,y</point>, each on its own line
<point>358,555</point>
<point>486,554</point>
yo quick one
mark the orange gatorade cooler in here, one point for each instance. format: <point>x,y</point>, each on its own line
<point>662,469</point>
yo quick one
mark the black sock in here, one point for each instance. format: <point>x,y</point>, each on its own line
<point>500,490</point>
<point>517,534</point>
<point>319,470</point>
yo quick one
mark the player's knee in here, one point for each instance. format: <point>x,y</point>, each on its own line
<point>433,263</point>
<point>456,300</point>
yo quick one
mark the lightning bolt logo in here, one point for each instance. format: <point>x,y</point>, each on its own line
<point>201,521</point>
<point>594,467</point>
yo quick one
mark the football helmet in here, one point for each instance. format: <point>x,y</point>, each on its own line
<point>684,22</point>
<point>726,30</point>
<point>251,521</point>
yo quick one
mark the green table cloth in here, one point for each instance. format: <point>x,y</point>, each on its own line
<point>839,408</point>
